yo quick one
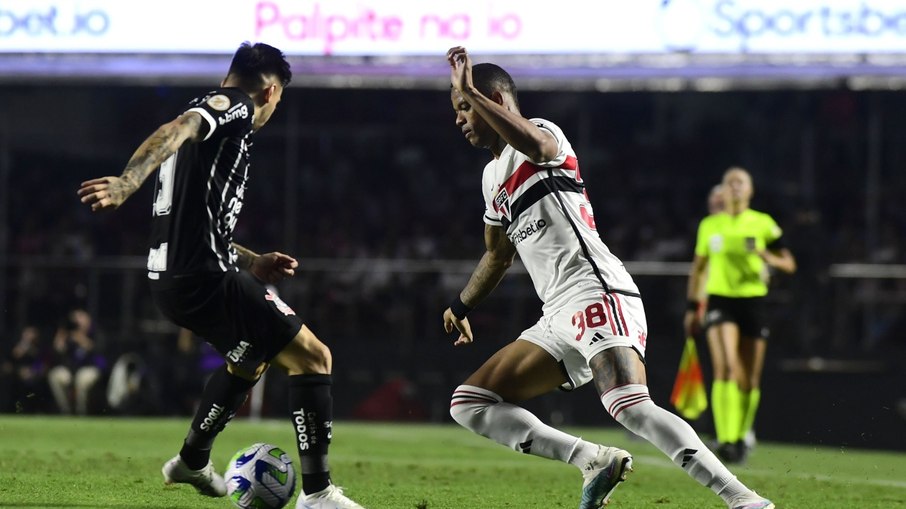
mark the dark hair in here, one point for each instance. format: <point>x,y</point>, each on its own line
<point>490,77</point>
<point>253,63</point>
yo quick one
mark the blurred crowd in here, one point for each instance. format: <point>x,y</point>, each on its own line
<point>363,174</point>
<point>386,174</point>
<point>71,368</point>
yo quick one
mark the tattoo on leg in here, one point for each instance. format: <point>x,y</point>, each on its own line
<point>617,366</point>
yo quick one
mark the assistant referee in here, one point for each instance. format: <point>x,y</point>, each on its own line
<point>734,250</point>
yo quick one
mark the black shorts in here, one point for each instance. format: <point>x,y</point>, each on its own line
<point>234,312</point>
<point>746,312</point>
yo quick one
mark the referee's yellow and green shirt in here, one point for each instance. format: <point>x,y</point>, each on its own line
<point>731,244</point>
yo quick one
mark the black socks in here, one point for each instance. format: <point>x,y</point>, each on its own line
<point>311,413</point>
<point>223,395</point>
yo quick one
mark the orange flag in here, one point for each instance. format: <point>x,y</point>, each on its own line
<point>689,395</point>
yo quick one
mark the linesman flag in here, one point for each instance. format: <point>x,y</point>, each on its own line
<point>689,395</point>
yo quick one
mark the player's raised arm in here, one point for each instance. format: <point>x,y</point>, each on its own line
<point>500,112</point>
<point>110,192</point>
<point>493,265</point>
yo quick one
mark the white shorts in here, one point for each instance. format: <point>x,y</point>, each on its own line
<point>587,325</point>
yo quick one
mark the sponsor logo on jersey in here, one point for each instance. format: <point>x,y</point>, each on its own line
<point>238,111</point>
<point>532,228</point>
<point>219,102</point>
<point>502,203</point>
<point>237,354</point>
<point>716,243</point>
<point>281,306</point>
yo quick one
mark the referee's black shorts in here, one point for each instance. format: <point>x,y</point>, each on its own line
<point>234,312</point>
<point>748,313</point>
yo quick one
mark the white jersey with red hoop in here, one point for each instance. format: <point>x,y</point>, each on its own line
<point>547,215</point>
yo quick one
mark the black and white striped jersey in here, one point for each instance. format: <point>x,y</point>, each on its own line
<point>199,191</point>
<point>544,208</point>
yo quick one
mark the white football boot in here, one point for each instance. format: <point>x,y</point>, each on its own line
<point>752,501</point>
<point>602,475</point>
<point>206,481</point>
<point>331,497</point>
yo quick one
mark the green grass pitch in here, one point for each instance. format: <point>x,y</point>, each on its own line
<point>57,462</point>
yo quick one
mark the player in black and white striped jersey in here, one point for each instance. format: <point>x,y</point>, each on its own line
<point>196,281</point>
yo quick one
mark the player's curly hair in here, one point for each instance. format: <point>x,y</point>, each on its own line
<point>252,64</point>
<point>489,77</point>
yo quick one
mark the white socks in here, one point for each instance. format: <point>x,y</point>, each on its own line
<point>485,413</point>
<point>632,407</point>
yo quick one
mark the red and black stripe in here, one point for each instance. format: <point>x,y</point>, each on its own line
<point>538,191</point>
<point>461,396</point>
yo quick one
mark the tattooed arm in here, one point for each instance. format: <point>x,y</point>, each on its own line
<point>268,267</point>
<point>486,276</point>
<point>246,256</point>
<point>110,192</point>
<point>492,267</point>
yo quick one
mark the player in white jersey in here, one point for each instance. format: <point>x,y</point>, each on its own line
<point>593,326</point>
<point>546,212</point>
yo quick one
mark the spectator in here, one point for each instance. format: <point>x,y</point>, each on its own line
<point>77,369</point>
<point>25,369</point>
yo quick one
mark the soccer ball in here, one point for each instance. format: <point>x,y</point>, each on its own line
<point>260,476</point>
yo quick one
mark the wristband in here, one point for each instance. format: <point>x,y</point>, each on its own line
<point>692,305</point>
<point>458,308</point>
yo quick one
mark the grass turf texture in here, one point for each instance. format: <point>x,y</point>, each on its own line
<point>115,463</point>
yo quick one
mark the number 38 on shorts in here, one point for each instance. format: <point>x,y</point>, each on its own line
<point>611,315</point>
<point>586,325</point>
